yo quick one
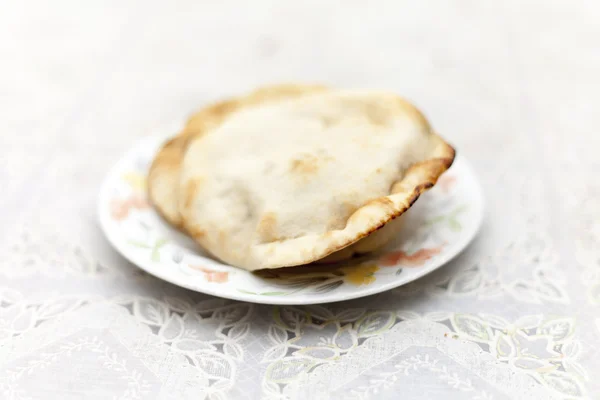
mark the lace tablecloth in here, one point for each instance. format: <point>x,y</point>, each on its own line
<point>514,85</point>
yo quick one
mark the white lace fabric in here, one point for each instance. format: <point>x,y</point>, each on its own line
<point>512,84</point>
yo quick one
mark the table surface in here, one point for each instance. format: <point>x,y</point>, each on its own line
<point>514,85</point>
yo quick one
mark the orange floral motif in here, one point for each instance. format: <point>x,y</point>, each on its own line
<point>212,275</point>
<point>403,259</point>
<point>120,208</point>
<point>447,182</point>
<point>216,276</point>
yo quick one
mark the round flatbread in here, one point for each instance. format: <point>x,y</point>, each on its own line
<point>289,182</point>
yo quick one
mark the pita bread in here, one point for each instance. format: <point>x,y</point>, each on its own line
<point>290,182</point>
<point>163,177</point>
<point>165,170</point>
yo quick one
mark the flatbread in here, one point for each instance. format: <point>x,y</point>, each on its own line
<point>163,177</point>
<point>292,181</point>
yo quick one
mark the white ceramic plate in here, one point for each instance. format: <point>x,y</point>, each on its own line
<point>440,224</point>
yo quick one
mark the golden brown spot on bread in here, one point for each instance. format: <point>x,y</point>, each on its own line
<point>190,191</point>
<point>221,239</point>
<point>348,208</point>
<point>383,202</point>
<point>335,224</point>
<point>376,115</point>
<point>223,108</point>
<point>328,121</point>
<point>274,92</point>
<point>267,228</point>
<point>195,232</point>
<point>171,143</point>
<point>270,251</point>
<point>305,165</point>
<point>328,233</point>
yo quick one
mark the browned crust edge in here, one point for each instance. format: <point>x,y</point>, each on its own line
<point>435,167</point>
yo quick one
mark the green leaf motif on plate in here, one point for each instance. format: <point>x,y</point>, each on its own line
<point>451,219</point>
<point>246,291</point>
<point>138,244</point>
<point>328,287</point>
<point>155,249</point>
